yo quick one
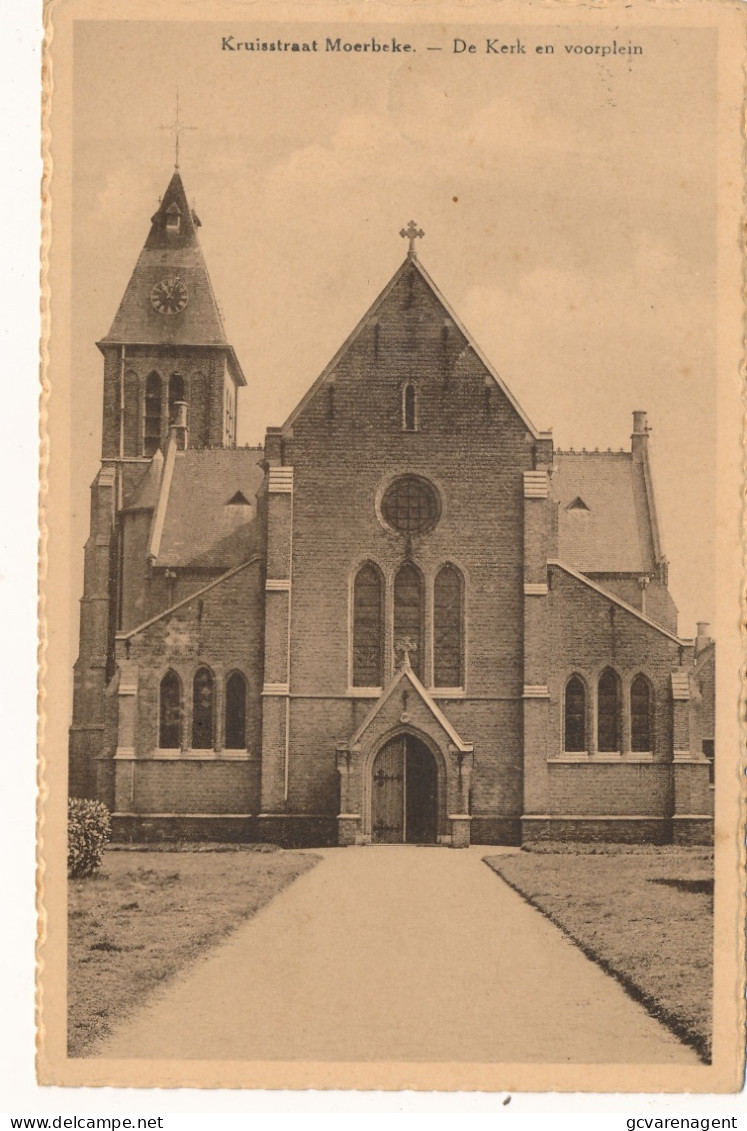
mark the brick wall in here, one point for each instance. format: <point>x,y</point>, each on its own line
<point>345,448</point>
<point>223,629</point>
<point>588,633</point>
<point>203,371</point>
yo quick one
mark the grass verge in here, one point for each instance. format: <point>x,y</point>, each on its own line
<point>145,916</point>
<point>645,917</point>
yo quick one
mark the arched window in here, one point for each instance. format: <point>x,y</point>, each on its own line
<point>575,714</point>
<point>131,421</point>
<point>202,710</point>
<point>368,627</point>
<point>640,714</point>
<point>608,712</point>
<point>152,415</point>
<point>408,615</point>
<point>170,712</point>
<point>411,505</point>
<point>448,668</point>
<point>176,393</point>
<point>409,408</point>
<point>235,712</point>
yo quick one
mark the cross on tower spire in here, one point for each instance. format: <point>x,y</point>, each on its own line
<point>177,128</point>
<point>412,232</point>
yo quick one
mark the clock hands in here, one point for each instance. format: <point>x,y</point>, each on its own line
<point>169,296</point>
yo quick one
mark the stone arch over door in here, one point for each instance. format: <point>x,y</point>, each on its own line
<point>404,790</point>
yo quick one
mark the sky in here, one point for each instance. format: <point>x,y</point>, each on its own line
<point>568,204</point>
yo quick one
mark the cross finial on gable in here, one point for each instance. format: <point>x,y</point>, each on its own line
<point>177,128</point>
<point>402,648</point>
<point>412,232</point>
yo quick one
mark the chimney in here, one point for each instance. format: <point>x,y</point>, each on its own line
<point>639,437</point>
<point>702,639</point>
<point>274,447</point>
<point>178,427</point>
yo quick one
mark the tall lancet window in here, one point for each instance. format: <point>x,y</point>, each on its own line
<point>575,715</point>
<point>131,421</point>
<point>153,393</point>
<point>409,408</point>
<point>640,715</point>
<point>202,710</point>
<point>176,393</point>
<point>368,627</point>
<point>408,615</point>
<point>235,712</point>
<point>448,665</point>
<point>170,712</point>
<point>608,712</point>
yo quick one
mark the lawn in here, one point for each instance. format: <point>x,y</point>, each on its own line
<point>146,915</point>
<point>644,915</point>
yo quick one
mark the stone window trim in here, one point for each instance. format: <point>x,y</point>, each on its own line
<point>642,716</point>
<point>625,753</point>
<point>409,505</point>
<point>186,672</point>
<point>132,409</point>
<point>404,472</point>
<point>449,569</point>
<point>583,749</point>
<point>408,614</point>
<point>610,706</point>
<point>170,684</point>
<point>223,727</point>
<point>203,709</point>
<point>356,625</point>
<point>429,574</point>
<point>169,394</point>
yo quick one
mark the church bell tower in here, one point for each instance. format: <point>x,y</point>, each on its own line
<point>168,368</point>
<point>167,346</point>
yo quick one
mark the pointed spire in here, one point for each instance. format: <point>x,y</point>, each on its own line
<point>169,300</point>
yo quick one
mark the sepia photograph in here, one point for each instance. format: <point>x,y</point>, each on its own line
<point>390,566</point>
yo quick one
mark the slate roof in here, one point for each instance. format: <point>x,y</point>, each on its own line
<point>202,528</point>
<point>167,254</point>
<point>146,496</point>
<point>616,534</point>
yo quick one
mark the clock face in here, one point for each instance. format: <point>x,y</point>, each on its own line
<point>170,296</point>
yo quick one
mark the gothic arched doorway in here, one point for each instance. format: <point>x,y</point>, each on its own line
<point>404,793</point>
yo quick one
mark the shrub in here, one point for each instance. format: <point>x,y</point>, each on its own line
<point>88,832</point>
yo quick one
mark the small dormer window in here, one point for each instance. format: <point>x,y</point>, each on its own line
<point>173,218</point>
<point>237,509</point>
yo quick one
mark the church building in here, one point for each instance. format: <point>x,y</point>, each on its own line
<point>407,617</point>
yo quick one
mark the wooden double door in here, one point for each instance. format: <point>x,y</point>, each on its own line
<point>404,793</point>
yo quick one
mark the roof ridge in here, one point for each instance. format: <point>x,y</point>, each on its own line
<point>582,577</point>
<point>411,262</point>
<point>185,600</point>
<point>406,672</point>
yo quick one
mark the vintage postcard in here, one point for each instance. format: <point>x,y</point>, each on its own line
<point>392,488</point>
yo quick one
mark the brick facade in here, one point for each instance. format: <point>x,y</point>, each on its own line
<point>257,575</point>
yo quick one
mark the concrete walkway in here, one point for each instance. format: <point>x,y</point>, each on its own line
<point>397,953</point>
